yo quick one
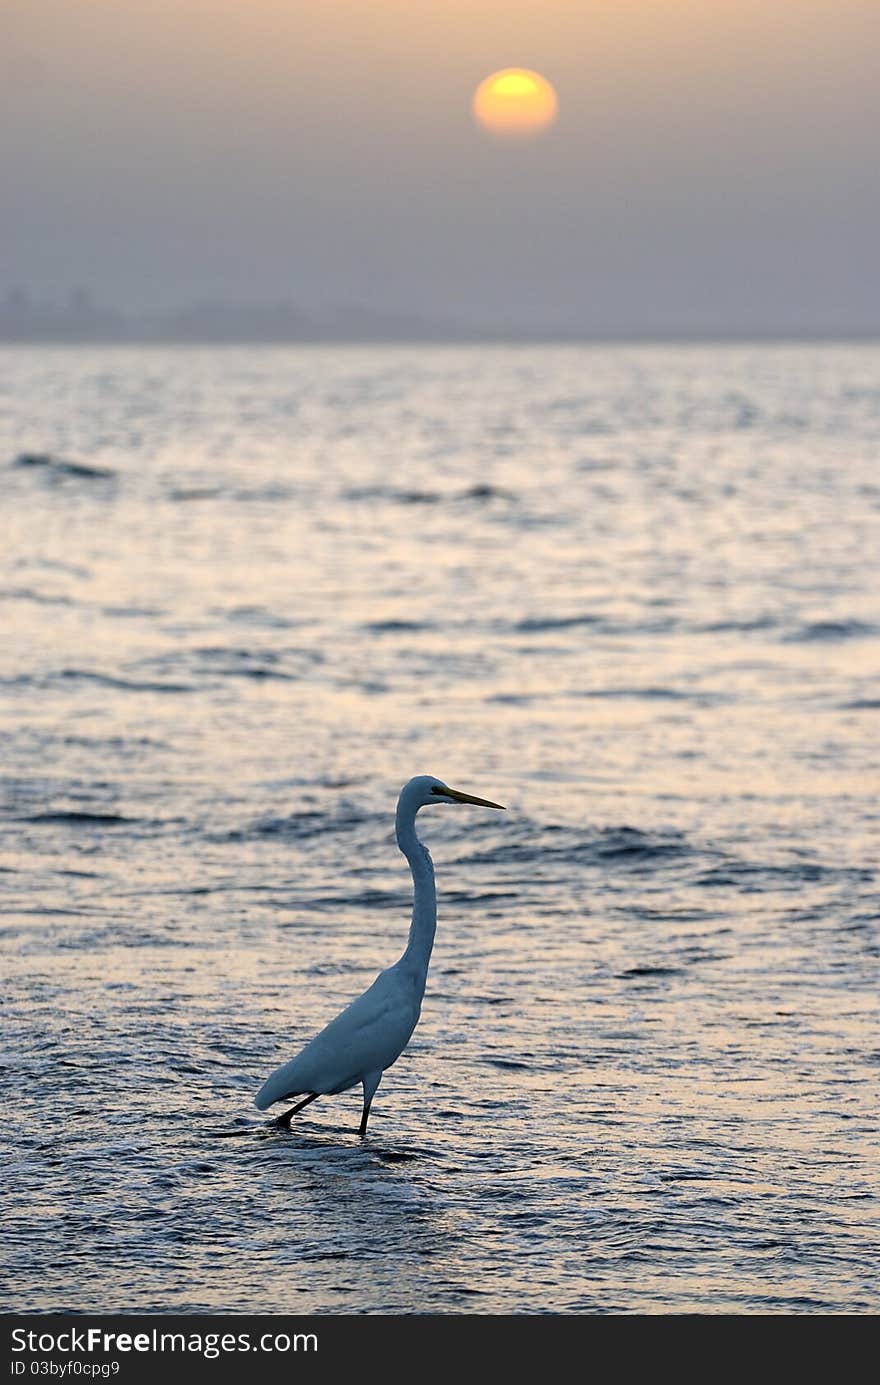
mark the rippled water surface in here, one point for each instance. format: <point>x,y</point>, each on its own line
<point>632,593</point>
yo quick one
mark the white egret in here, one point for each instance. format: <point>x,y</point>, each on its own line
<point>372,1032</point>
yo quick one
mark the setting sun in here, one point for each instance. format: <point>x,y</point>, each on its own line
<point>515,101</point>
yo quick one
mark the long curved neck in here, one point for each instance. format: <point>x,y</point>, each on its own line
<point>424,915</point>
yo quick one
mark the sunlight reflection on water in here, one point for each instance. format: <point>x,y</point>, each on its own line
<point>630,592</point>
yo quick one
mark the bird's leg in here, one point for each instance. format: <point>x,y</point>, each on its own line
<point>284,1121</point>
<point>370,1083</point>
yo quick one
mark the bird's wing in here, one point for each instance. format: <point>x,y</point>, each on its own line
<point>366,1037</point>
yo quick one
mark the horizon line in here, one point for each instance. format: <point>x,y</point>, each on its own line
<point>486,336</point>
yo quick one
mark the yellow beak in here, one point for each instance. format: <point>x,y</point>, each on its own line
<point>469,798</point>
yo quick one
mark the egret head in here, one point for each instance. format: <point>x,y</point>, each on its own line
<point>425,790</point>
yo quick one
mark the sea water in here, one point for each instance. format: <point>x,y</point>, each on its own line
<point>634,594</point>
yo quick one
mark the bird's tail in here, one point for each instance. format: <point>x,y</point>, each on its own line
<point>278,1087</point>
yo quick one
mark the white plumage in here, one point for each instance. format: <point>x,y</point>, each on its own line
<point>372,1032</point>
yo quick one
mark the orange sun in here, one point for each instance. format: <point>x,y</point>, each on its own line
<point>515,101</point>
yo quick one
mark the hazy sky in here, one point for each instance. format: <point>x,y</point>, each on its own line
<point>715,161</point>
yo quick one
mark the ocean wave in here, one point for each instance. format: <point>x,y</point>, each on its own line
<point>79,817</point>
<point>638,972</point>
<point>259,616</point>
<point>530,624</point>
<point>651,694</point>
<point>757,876</point>
<point>293,826</point>
<point>480,492</point>
<point>58,469</point>
<point>586,846</point>
<point>822,630</point>
<point>398,627</point>
<point>112,680</point>
<point>40,598</point>
<point>744,625</point>
<point>207,662</point>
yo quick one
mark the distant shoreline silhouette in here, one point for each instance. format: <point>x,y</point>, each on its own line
<point>81,320</point>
